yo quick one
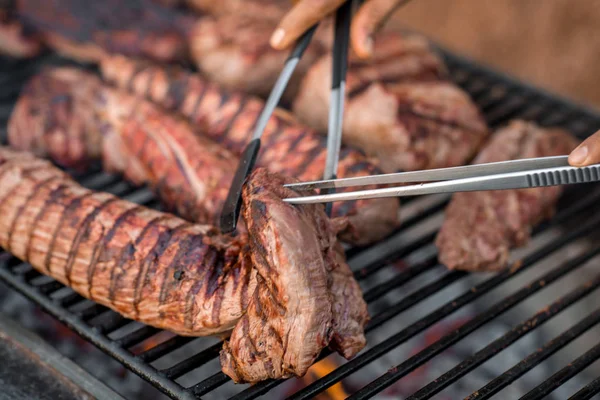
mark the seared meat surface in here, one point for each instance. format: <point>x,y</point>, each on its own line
<point>70,116</point>
<point>228,118</point>
<point>399,107</point>
<point>291,316</point>
<point>480,228</point>
<point>149,266</point>
<point>187,278</point>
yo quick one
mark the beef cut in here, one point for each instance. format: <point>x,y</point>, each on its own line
<point>400,107</point>
<point>228,118</point>
<point>149,266</point>
<point>480,228</point>
<point>69,115</point>
<point>187,278</point>
<point>289,318</point>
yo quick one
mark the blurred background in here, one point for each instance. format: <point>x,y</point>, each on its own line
<point>554,44</point>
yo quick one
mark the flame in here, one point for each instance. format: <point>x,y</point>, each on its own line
<point>151,342</point>
<point>319,370</point>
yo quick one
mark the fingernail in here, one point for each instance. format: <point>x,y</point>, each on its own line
<point>277,37</point>
<point>578,155</point>
<point>369,45</point>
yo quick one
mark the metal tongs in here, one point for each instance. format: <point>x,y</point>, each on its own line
<point>233,203</point>
<point>516,174</point>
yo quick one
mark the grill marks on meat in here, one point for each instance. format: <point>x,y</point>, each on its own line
<point>294,311</point>
<point>480,228</point>
<point>399,107</point>
<point>228,118</point>
<point>284,291</point>
<point>87,30</point>
<point>233,50</point>
<point>68,115</point>
<point>144,264</point>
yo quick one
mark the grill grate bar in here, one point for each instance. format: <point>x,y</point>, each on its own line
<point>499,308</point>
<point>164,348</point>
<point>402,251</point>
<point>437,315</point>
<point>89,333</point>
<point>509,338</point>
<point>401,279</point>
<point>50,287</point>
<point>193,362</point>
<point>213,382</point>
<point>535,358</point>
<point>587,392</point>
<point>137,336</point>
<point>566,373</point>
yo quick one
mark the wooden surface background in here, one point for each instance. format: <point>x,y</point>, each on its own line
<point>554,44</point>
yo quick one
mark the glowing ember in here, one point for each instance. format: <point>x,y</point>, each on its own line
<point>318,371</point>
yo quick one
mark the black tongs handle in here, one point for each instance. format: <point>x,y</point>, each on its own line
<point>339,67</point>
<point>233,203</point>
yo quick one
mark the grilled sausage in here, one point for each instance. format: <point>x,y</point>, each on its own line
<point>147,265</point>
<point>69,115</point>
<point>400,108</point>
<point>288,147</point>
<point>480,228</point>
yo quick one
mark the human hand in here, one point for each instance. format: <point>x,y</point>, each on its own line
<point>586,153</point>
<point>305,13</point>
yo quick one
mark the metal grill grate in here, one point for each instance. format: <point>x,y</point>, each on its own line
<point>411,277</point>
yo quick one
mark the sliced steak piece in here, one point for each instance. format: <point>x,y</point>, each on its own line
<point>288,147</point>
<point>480,228</point>
<point>399,107</point>
<point>292,315</point>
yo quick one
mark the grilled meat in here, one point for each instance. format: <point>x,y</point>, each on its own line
<point>87,30</point>
<point>163,271</point>
<point>147,265</point>
<point>399,108</point>
<point>231,49</point>
<point>288,147</point>
<point>285,328</point>
<point>14,41</point>
<point>480,228</point>
<point>69,115</point>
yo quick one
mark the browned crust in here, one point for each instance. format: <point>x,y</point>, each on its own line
<point>228,117</point>
<point>146,265</point>
<point>480,228</point>
<point>68,115</point>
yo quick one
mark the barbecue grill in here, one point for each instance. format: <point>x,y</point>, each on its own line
<point>398,276</point>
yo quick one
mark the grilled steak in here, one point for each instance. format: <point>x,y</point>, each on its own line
<point>163,271</point>
<point>285,328</point>
<point>69,115</point>
<point>146,265</point>
<point>231,49</point>
<point>398,107</point>
<point>288,147</point>
<point>480,228</point>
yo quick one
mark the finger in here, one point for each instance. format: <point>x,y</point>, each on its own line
<point>302,16</point>
<point>586,153</point>
<point>368,20</point>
